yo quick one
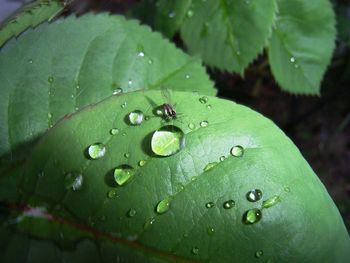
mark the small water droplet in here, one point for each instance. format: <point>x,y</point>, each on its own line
<point>77,86</point>
<point>117,91</point>
<point>142,163</point>
<point>114,131</point>
<point>124,134</point>
<point>112,193</point>
<point>195,250</point>
<point>271,201</point>
<point>203,99</point>
<point>191,126</point>
<point>209,205</point>
<point>163,206</point>
<point>30,61</point>
<point>123,105</point>
<point>148,224</point>
<point>296,66</point>
<point>96,150</point>
<point>190,13</point>
<point>252,216</point>
<point>209,107</point>
<point>238,52</point>
<point>123,174</point>
<point>229,204</point>
<point>237,151</point>
<point>210,166</point>
<point>168,140</point>
<point>292,59</point>
<point>131,212</point>
<point>72,96</point>
<point>270,260</point>
<point>287,189</point>
<point>49,115</point>
<point>204,124</point>
<point>259,253</point>
<point>150,61</point>
<point>222,158</point>
<point>126,155</point>
<point>41,174</point>
<point>147,118</point>
<point>73,180</point>
<point>179,188</point>
<point>141,54</point>
<point>187,76</point>
<point>50,79</point>
<point>136,117</point>
<point>254,195</point>
<point>171,14</point>
<point>210,230</point>
<point>129,82</point>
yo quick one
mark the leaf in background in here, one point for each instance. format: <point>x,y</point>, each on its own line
<point>228,34</point>
<point>302,44</point>
<point>189,207</point>
<point>29,16</point>
<point>60,67</point>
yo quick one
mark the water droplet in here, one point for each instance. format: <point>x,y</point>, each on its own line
<point>254,195</point>
<point>258,253</point>
<point>41,174</point>
<point>187,76</point>
<point>237,151</point>
<point>203,99</point>
<point>195,250</point>
<point>147,118</point>
<point>190,13</point>
<point>163,206</point>
<point>77,86</point>
<point>270,260</point>
<point>179,188</point>
<point>210,230</point>
<point>191,126</point>
<point>117,91</point>
<point>210,166</point>
<point>131,212</point>
<point>167,140</point>
<point>112,193</point>
<point>96,151</point>
<point>49,115</point>
<point>204,124</point>
<point>136,117</point>
<point>142,163</point>
<point>148,224</point>
<point>123,105</point>
<point>238,52</point>
<point>114,131</point>
<point>141,54</point>
<point>171,14</point>
<point>287,189</point>
<point>222,158</point>
<point>73,181</point>
<point>126,155</point>
<point>209,107</point>
<point>50,79</point>
<point>209,205</point>
<point>124,134</point>
<point>252,216</point>
<point>30,61</point>
<point>129,82</point>
<point>271,201</point>
<point>123,174</point>
<point>229,204</point>
<point>150,61</point>
<point>292,59</point>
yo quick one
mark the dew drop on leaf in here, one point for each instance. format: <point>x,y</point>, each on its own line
<point>142,163</point>
<point>190,13</point>
<point>117,91</point>
<point>148,224</point>
<point>131,212</point>
<point>195,250</point>
<point>123,174</point>
<point>129,82</point>
<point>287,189</point>
<point>187,76</point>
<point>150,61</point>
<point>203,99</point>
<point>136,117</point>
<point>73,181</point>
<point>210,230</point>
<point>229,204</point>
<point>50,79</point>
<point>141,54</point>
<point>123,105</point>
<point>114,131</point>
<point>112,193</point>
<point>271,201</point>
<point>259,253</point>
<point>254,195</point>
<point>30,61</point>
<point>204,124</point>
<point>163,206</point>
<point>237,151</point>
<point>96,150</point>
<point>210,166</point>
<point>292,59</point>
<point>222,158</point>
<point>167,140</point>
<point>191,126</point>
<point>126,155</point>
<point>209,205</point>
<point>41,174</point>
<point>252,216</point>
<point>171,14</point>
<point>209,107</point>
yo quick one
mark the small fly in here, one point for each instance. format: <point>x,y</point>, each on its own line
<point>168,110</point>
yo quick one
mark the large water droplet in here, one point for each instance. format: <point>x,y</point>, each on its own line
<point>259,253</point>
<point>254,195</point>
<point>123,174</point>
<point>210,166</point>
<point>167,140</point>
<point>136,117</point>
<point>73,181</point>
<point>131,212</point>
<point>209,205</point>
<point>163,206</point>
<point>204,124</point>
<point>237,151</point>
<point>229,204</point>
<point>203,99</point>
<point>114,131</point>
<point>271,201</point>
<point>96,150</point>
<point>148,224</point>
<point>112,193</point>
<point>252,216</point>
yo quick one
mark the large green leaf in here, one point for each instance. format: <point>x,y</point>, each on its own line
<point>29,16</point>
<point>188,207</point>
<point>228,34</point>
<point>302,44</point>
<point>60,67</point>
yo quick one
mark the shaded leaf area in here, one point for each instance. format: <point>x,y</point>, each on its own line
<point>300,49</point>
<point>204,187</point>
<point>29,16</point>
<point>58,68</point>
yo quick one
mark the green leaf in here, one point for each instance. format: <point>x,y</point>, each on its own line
<point>228,34</point>
<point>302,44</point>
<point>60,67</point>
<point>29,16</point>
<point>175,209</point>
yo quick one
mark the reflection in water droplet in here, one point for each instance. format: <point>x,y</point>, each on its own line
<point>167,140</point>
<point>163,206</point>
<point>136,117</point>
<point>131,212</point>
<point>123,174</point>
<point>203,99</point>
<point>148,224</point>
<point>142,163</point>
<point>96,151</point>
<point>195,250</point>
<point>209,205</point>
<point>237,151</point>
<point>210,166</point>
<point>114,131</point>
<point>117,91</point>
<point>252,216</point>
<point>254,195</point>
<point>229,204</point>
<point>210,230</point>
<point>73,181</point>
<point>112,193</point>
<point>271,201</point>
<point>191,126</point>
<point>204,124</point>
<point>258,253</point>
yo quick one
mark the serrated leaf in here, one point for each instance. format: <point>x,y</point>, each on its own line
<point>303,226</point>
<point>29,16</point>
<point>228,34</point>
<point>60,67</point>
<point>302,44</point>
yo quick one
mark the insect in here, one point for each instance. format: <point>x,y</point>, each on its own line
<point>168,111</point>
